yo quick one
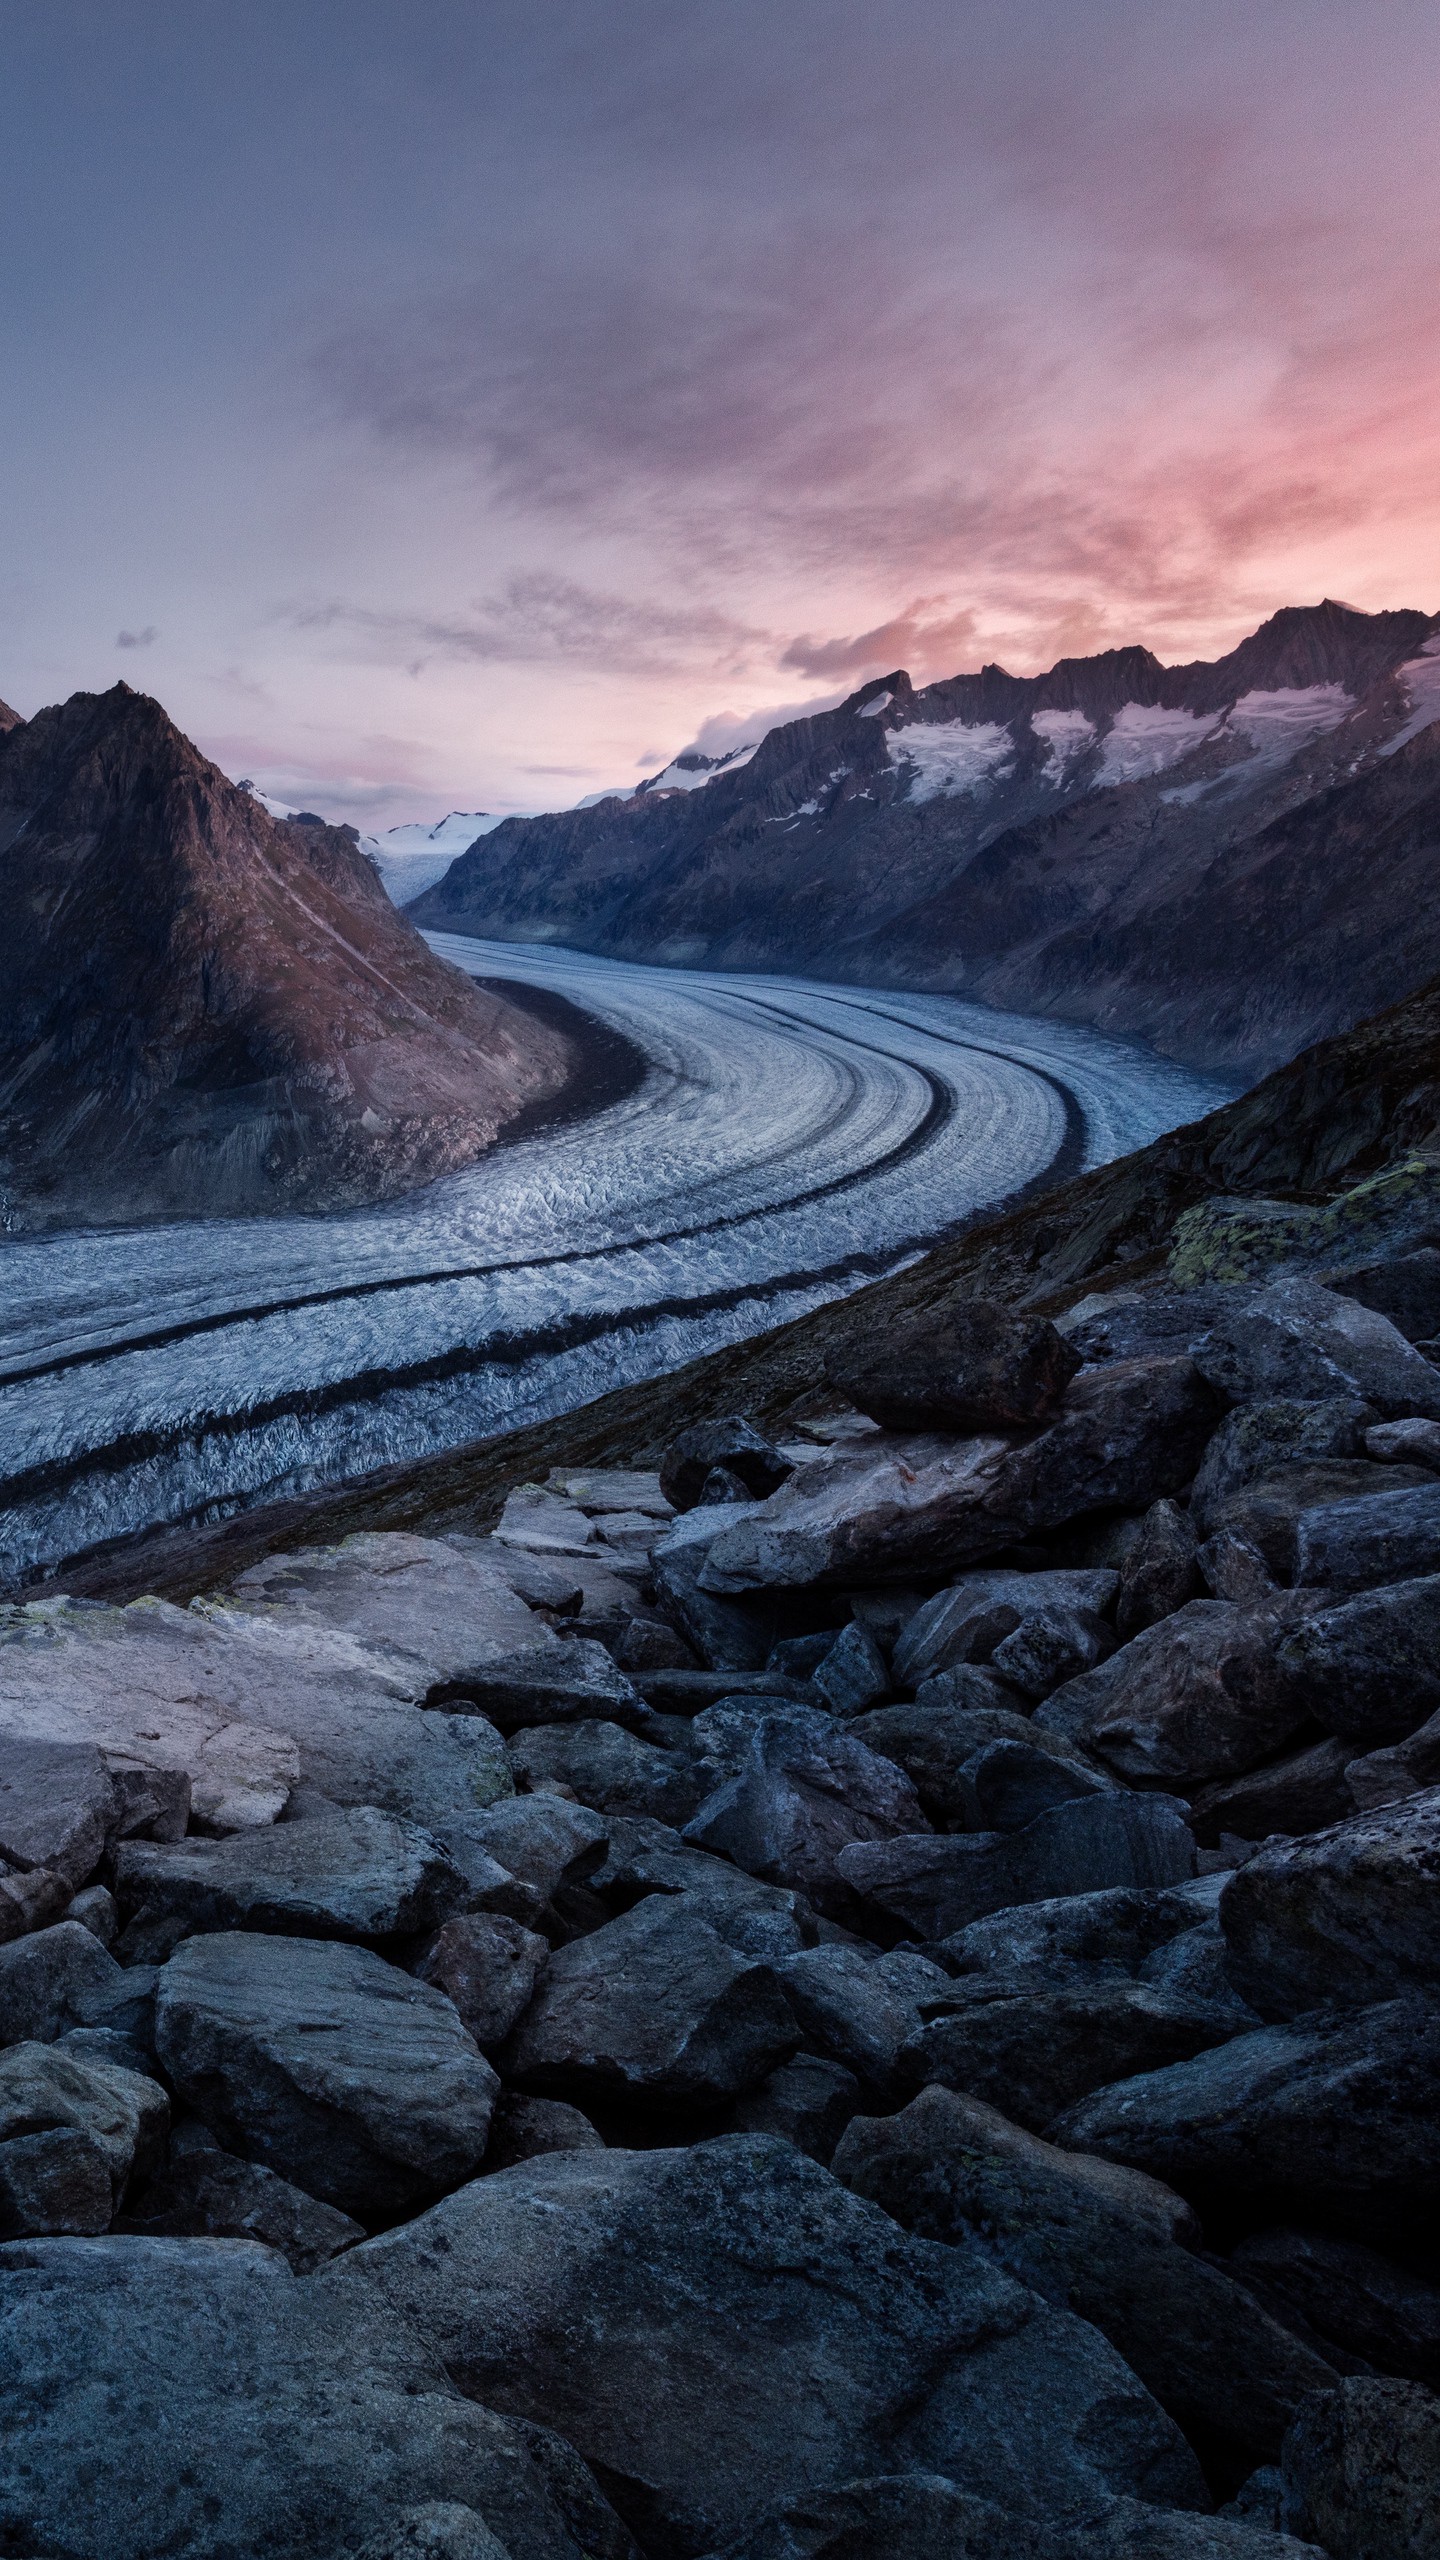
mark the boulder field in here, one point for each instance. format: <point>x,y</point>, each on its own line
<point>868,1994</point>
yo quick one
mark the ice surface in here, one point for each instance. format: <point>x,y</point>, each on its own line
<point>1421,679</point>
<point>952,755</point>
<point>412,858</point>
<point>1144,738</point>
<point>1067,734</point>
<point>789,1141</point>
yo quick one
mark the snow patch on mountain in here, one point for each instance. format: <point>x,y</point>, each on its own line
<point>691,771</point>
<point>951,755</point>
<point>1067,734</point>
<point>1279,724</point>
<point>412,858</point>
<point>1421,679</point>
<point>1145,738</point>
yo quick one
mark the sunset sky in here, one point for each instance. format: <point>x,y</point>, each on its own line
<point>445,405</point>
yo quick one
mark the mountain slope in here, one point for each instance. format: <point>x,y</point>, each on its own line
<point>203,1010</point>
<point>1051,843</point>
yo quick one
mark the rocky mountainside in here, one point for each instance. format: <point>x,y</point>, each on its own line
<point>865,1993</point>
<point>1228,860</point>
<point>206,1011</point>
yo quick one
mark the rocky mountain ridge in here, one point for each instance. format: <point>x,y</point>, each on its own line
<point>206,1011</point>
<point>1226,859</point>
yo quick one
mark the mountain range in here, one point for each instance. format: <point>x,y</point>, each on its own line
<point>1227,859</point>
<point>205,1010</point>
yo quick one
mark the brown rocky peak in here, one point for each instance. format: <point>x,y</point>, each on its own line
<point>206,1011</point>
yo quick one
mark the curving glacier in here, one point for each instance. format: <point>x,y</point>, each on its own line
<point>788,1142</point>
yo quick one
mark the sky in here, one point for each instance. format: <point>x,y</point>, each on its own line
<point>450,404</point>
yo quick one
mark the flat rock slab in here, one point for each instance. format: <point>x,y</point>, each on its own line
<point>442,1610</point>
<point>1350,1915</point>
<point>723,2327</point>
<point>361,1874</point>
<point>601,1489</point>
<point>934,1886</point>
<point>654,2008</point>
<point>327,2065</point>
<point>246,1705</point>
<point>303,2428</point>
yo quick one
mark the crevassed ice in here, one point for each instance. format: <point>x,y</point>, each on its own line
<point>951,756</point>
<point>1421,679</point>
<point>1067,734</point>
<point>1145,738</point>
<point>1279,724</point>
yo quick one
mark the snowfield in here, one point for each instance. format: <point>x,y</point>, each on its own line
<point>788,1142</point>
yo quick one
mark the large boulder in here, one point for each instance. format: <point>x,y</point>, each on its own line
<point>488,1966</point>
<point>572,1682</point>
<point>1260,1439</point>
<point>440,1610</point>
<point>72,2135</point>
<point>646,1858</point>
<point>1350,1915</point>
<point>1275,1516</point>
<point>203,2192</point>
<point>1301,1791</point>
<point>794,1790</point>
<point>1159,1573</point>
<point>930,1887</point>
<point>1035,2050</point>
<point>935,1739</point>
<point>653,2009</point>
<point>1102,2241</point>
<point>1331,2118</point>
<point>1362,2471</point>
<point>970,1367</point>
<point>1112,1935</point>
<point>716,2329</point>
<point>1370,1669</point>
<point>1202,1695</point>
<point>1295,1338</point>
<point>58,1804</point>
<point>1352,2298</point>
<point>61,1978</point>
<point>860,2009</point>
<point>352,1874</point>
<point>964,1623</point>
<point>608,1768</point>
<point>1009,1783</point>
<point>1380,1537</point>
<point>731,1443</point>
<point>729,1633</point>
<point>327,2065</point>
<point>191,2396</point>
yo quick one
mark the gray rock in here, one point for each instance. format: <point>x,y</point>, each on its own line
<point>1405,1287</point>
<point>488,1966</point>
<point>763,1920</point>
<point>1302,1791</point>
<point>1331,2118</point>
<point>1132,1432</point>
<point>752,2331</point>
<point>648,1644</point>
<point>1109,1935</point>
<point>1260,1439</point>
<point>63,1977</point>
<point>727,1633</point>
<point>860,2009</point>
<point>1370,1668</point>
<point>1010,1783</point>
<point>30,1898</point>
<point>806,2102</point>
<point>1362,2471</point>
<point>547,1842</point>
<point>851,1674</point>
<point>526,2128</point>
<point>542,1523</point>
<point>655,2009</point>
<point>155,1804</point>
<point>439,2530</point>
<point>1195,1967</point>
<point>349,1874</point>
<point>304,2429</point>
<point>1383,1777</point>
<point>1037,2050</point>
<point>1202,1695</point>
<point>885,1510</point>
<point>1414,1443</point>
<point>1052,1646</point>
<point>72,2130</point>
<point>965,1623</point>
<point>731,1443</point>
<point>1383,1537</point>
<point>442,1609</point>
<point>966,1367</point>
<point>1232,1568</point>
<point>1351,2297</point>
<point>1159,1573</point>
<point>1097,2240</point>
<point>796,1790</point>
<point>599,1490</point>
<point>609,1769</point>
<point>95,1909</point>
<point>578,1681</point>
<point>1267,1516</point>
<point>932,1887</point>
<point>935,1739</point>
<point>917,2515</point>
<point>1350,1915</point>
<point>327,2065</point>
<point>1294,1338</point>
<point>57,1805</point>
<point>203,2192</point>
